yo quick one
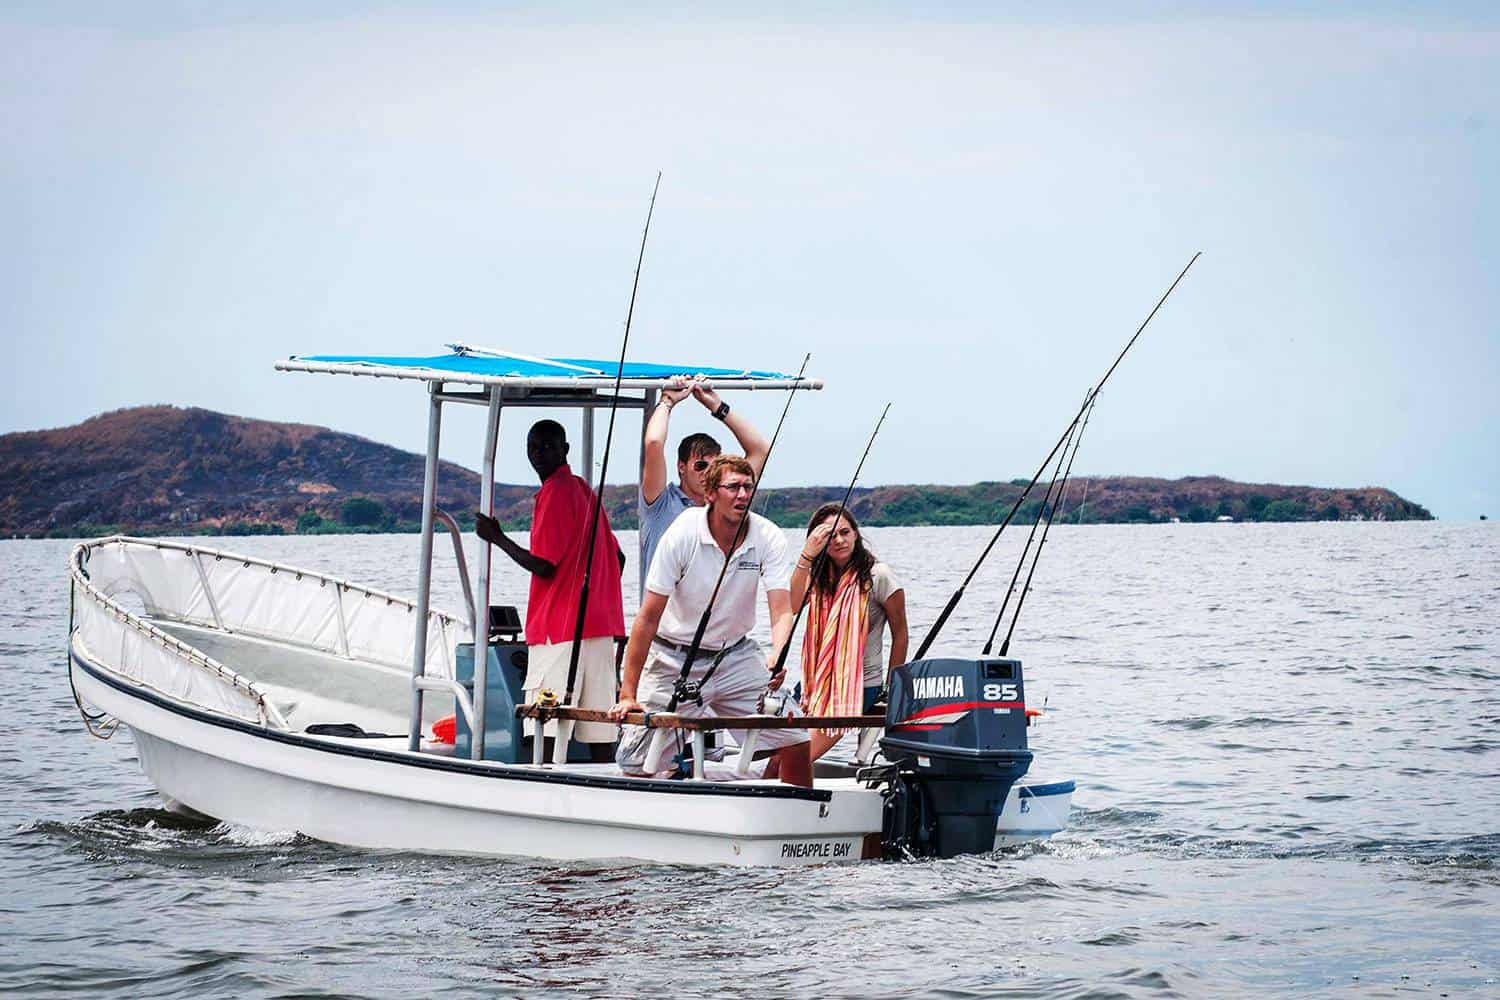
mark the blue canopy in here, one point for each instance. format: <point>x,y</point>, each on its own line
<point>487,367</point>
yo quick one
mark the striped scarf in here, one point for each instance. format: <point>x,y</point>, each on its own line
<point>833,650</point>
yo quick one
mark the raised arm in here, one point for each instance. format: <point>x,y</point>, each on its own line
<point>752,444</point>
<point>816,541</point>
<point>654,471</point>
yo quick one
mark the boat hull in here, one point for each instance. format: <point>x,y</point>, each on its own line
<point>1034,812</point>
<point>388,799</point>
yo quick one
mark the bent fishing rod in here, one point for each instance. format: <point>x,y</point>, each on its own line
<point>681,688</point>
<point>1062,495</point>
<point>614,406</point>
<point>821,560</point>
<point>958,594</point>
<point>1041,512</point>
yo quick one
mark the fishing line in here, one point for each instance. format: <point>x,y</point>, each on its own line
<point>681,688</point>
<point>1041,512</point>
<point>614,406</point>
<point>958,594</point>
<point>1063,495</point>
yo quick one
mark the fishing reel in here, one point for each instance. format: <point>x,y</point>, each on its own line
<point>780,702</point>
<point>687,690</point>
<point>546,702</point>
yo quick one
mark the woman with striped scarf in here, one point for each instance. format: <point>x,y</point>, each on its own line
<point>852,600</point>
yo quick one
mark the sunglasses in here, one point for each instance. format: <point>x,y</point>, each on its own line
<point>702,464</point>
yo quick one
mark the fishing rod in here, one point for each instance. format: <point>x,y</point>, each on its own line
<point>958,594</point>
<point>1062,495</point>
<point>614,406</point>
<point>812,571</point>
<point>1041,512</point>
<point>681,688</point>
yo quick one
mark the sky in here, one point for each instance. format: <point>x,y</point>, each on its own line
<point>963,210</point>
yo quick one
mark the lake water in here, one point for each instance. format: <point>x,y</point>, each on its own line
<point>1286,740</point>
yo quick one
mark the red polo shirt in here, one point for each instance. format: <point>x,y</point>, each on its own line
<point>559,534</point>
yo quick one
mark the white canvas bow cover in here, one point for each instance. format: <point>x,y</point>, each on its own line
<point>240,595</point>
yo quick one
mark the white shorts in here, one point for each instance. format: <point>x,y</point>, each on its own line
<point>594,687</point>
<point>734,689</point>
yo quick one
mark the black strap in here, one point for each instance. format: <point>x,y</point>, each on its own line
<point>682,647</point>
<point>684,689</point>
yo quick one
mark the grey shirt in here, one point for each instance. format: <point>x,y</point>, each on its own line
<point>655,519</point>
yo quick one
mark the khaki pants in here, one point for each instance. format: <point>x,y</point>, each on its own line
<point>734,689</point>
<point>594,686</point>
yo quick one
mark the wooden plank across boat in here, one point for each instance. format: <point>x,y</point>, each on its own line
<point>751,725</point>
<point>703,723</point>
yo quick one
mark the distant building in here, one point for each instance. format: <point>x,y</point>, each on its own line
<point>1223,517</point>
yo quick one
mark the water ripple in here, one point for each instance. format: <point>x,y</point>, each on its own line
<point>1283,738</point>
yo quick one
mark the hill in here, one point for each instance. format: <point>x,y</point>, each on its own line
<point>165,469</point>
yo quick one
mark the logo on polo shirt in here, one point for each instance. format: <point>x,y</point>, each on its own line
<point>747,562</point>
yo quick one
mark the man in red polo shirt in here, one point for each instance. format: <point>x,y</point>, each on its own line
<point>559,542</point>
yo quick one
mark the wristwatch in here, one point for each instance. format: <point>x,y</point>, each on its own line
<point>722,411</point>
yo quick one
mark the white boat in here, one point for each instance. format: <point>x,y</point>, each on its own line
<point>229,670</point>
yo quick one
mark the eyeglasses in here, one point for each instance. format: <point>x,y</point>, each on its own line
<point>701,464</point>
<point>746,487</point>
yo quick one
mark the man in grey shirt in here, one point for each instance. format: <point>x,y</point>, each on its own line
<point>659,501</point>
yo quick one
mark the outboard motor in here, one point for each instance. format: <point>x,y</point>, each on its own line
<point>956,742</point>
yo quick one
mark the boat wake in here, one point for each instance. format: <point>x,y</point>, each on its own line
<point>239,836</point>
<point>156,832</point>
<point>1127,831</point>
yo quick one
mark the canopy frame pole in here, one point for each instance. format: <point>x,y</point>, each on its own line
<point>424,564</point>
<point>587,416</point>
<point>482,591</point>
<point>447,521</point>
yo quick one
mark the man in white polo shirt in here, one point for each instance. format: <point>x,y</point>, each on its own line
<point>729,666</point>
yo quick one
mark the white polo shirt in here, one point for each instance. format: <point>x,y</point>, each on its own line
<point>687,564</point>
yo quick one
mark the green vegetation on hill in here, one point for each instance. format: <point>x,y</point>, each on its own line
<point>1100,500</point>
<point>165,470</point>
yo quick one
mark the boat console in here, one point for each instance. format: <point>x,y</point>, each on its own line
<point>504,736</point>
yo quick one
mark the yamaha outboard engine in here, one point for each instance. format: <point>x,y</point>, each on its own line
<point>956,742</point>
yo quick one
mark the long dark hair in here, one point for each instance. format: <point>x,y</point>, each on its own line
<point>862,560</point>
